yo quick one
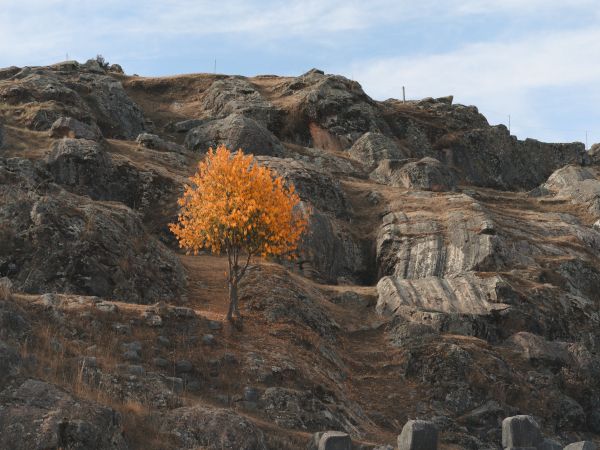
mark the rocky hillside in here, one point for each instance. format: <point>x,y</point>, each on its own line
<point>450,273</point>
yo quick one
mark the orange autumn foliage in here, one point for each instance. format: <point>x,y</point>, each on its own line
<point>235,206</point>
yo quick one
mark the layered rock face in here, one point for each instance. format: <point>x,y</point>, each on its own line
<point>449,273</point>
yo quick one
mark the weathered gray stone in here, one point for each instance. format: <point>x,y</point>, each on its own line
<point>185,125</point>
<point>549,444</point>
<point>581,185</point>
<point>418,435</point>
<point>426,174</point>
<point>183,366</point>
<point>234,131</point>
<point>520,431</point>
<point>251,394</point>
<point>335,440</point>
<point>10,363</point>
<point>73,128</point>
<point>372,148</point>
<point>154,142</point>
<point>211,428</point>
<point>36,414</point>
<point>466,293</point>
<point>236,95</point>
<point>583,445</point>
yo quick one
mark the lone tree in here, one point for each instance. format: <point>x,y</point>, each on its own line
<point>236,207</point>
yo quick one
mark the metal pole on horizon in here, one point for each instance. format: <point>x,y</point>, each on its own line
<point>403,94</point>
<point>509,124</point>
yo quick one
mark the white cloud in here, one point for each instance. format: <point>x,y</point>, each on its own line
<point>501,77</point>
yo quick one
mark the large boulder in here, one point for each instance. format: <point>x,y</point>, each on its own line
<point>582,445</point>
<point>372,148</point>
<point>328,111</point>
<point>418,244</point>
<point>234,131</point>
<point>154,142</point>
<point>427,174</point>
<point>520,431</point>
<point>231,95</point>
<point>73,128</point>
<point>335,440</point>
<point>36,414</point>
<point>418,435</point>
<point>580,185</point>
<point>466,293</point>
<point>210,428</point>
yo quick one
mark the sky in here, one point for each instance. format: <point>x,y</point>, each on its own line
<point>537,61</point>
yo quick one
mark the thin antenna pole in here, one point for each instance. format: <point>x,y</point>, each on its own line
<point>403,94</point>
<point>215,68</point>
<point>509,124</point>
<point>67,57</point>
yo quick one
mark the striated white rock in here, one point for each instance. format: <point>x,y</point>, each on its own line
<point>467,293</point>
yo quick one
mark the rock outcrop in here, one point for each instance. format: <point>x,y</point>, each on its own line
<point>73,90</point>
<point>36,414</point>
<point>427,174</point>
<point>580,185</point>
<point>234,131</point>
<point>63,242</point>
<point>372,148</point>
<point>210,428</point>
<point>73,128</point>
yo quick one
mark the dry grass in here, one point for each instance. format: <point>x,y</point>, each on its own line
<point>5,290</point>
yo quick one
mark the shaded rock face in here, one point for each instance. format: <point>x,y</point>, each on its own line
<point>57,241</point>
<point>10,364</point>
<point>328,250</point>
<point>427,174</point>
<point>214,429</point>
<point>75,91</point>
<point>234,131</point>
<point>86,168</point>
<point>312,184</point>
<point>490,157</point>
<point>32,415</point>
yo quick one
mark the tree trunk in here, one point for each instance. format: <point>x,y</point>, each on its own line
<point>233,301</point>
